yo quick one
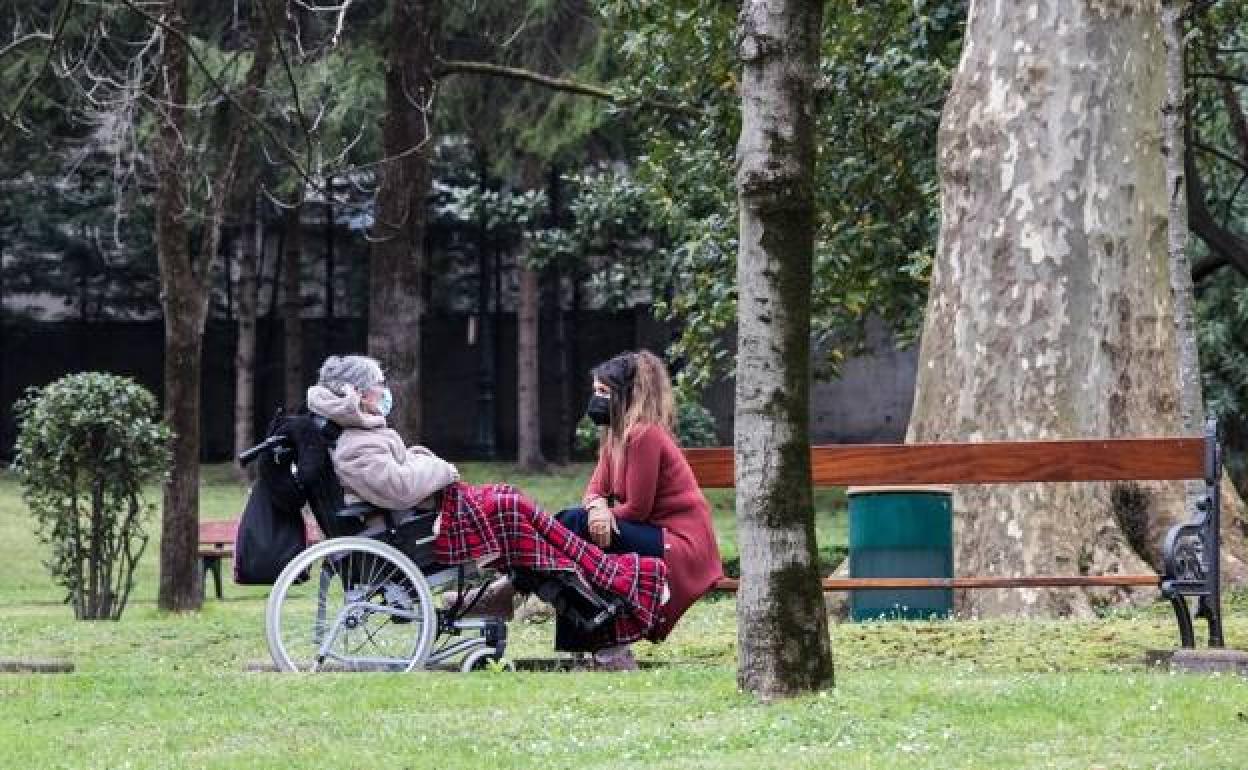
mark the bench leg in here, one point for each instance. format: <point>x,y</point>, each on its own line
<point>1208,610</point>
<point>1187,638</point>
<point>212,564</point>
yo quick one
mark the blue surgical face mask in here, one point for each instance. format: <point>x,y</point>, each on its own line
<point>386,403</point>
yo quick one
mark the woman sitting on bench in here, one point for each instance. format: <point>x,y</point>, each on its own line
<point>492,524</point>
<point>643,497</point>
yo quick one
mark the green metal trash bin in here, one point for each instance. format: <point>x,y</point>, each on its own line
<point>900,532</point>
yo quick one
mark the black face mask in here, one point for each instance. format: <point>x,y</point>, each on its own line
<point>599,410</point>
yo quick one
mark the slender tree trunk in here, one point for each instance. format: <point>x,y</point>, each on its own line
<point>783,645</point>
<point>249,262</point>
<point>577,375</point>
<point>1173,115</point>
<point>528,367</point>
<point>565,420</point>
<point>487,434</point>
<point>330,267</point>
<point>528,348</point>
<point>394,324</point>
<point>1049,313</point>
<point>563,373</point>
<point>182,300</point>
<point>292,309</point>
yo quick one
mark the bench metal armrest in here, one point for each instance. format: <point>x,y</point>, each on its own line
<point>1192,551</point>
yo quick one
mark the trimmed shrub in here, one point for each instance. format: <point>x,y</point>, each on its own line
<point>87,444</point>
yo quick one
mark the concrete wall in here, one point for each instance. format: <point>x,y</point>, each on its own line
<point>868,404</point>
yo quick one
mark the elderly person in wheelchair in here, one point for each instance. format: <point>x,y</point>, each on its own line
<point>401,527</point>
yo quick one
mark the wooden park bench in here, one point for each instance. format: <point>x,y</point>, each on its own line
<point>216,542</point>
<point>1190,550</point>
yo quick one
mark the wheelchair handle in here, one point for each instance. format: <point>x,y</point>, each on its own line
<point>272,442</point>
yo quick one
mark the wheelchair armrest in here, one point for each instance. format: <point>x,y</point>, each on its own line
<point>358,510</point>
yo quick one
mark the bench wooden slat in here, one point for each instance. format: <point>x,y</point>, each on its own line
<point>217,537</point>
<point>1125,459</point>
<point>1038,581</point>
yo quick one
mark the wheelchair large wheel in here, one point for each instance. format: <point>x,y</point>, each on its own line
<point>350,604</point>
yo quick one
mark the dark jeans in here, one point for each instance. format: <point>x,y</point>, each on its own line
<point>643,539</point>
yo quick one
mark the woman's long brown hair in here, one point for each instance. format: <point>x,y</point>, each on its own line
<point>641,394</point>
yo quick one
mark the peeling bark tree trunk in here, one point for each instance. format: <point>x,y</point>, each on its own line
<point>528,366</point>
<point>395,308</point>
<point>1049,313</point>
<point>783,645</point>
<point>292,309</point>
<point>1191,399</point>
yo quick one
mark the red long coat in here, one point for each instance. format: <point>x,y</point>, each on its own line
<point>656,486</point>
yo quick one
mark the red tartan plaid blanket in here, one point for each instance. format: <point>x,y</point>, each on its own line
<point>495,524</point>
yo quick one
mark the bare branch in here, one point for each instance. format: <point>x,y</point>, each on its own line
<point>289,156</point>
<point>271,25</point>
<point>340,9</point>
<point>58,29</point>
<point>1221,155</point>
<point>1225,247</point>
<point>453,67</point>
<point>1226,213</point>
<point>24,41</point>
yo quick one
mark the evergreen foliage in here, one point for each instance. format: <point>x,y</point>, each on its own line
<point>884,70</point>
<point>1223,335</point>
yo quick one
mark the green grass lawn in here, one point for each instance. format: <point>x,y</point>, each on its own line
<point>158,690</point>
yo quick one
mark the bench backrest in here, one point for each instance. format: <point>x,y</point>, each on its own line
<point>225,532</point>
<point>1004,462</point>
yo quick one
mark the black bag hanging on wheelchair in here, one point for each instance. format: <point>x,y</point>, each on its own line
<point>271,531</point>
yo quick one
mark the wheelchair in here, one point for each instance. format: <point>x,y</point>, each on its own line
<point>374,599</point>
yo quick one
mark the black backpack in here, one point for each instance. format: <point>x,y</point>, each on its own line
<point>294,468</point>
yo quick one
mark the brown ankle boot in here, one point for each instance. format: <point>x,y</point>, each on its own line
<point>496,600</point>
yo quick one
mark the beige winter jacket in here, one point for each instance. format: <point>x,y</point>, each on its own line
<point>371,460</point>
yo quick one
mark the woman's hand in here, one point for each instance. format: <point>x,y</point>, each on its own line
<point>601,525</point>
<point>593,502</point>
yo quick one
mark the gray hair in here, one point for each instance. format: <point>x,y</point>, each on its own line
<point>361,372</point>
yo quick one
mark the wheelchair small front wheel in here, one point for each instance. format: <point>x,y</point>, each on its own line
<point>350,604</point>
<point>484,660</point>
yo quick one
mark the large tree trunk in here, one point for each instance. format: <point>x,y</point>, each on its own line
<point>528,366</point>
<point>398,252</point>
<point>1049,313</point>
<point>292,309</point>
<point>783,645</point>
<point>249,262</point>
